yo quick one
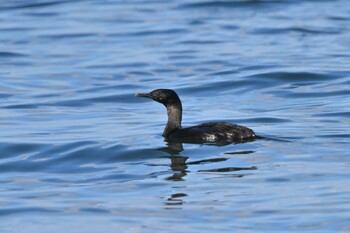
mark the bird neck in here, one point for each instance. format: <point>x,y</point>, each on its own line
<point>174,118</point>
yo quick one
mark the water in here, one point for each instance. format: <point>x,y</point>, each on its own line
<point>79,153</point>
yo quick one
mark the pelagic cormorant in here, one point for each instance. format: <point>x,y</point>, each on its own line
<point>206,132</point>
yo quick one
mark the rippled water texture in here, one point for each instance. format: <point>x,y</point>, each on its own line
<point>79,153</point>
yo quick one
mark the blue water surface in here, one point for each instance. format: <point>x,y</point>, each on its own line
<point>79,153</point>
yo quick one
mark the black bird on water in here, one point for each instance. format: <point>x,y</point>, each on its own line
<point>211,132</point>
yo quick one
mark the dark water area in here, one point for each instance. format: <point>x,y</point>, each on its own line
<point>79,153</point>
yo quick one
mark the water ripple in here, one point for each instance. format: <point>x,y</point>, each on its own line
<point>228,4</point>
<point>76,143</point>
<point>23,5</point>
<point>11,55</point>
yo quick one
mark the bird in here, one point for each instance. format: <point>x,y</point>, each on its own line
<point>211,132</point>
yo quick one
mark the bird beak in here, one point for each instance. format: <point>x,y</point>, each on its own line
<point>146,95</point>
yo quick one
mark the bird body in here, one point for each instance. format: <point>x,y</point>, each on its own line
<point>206,132</point>
<point>214,132</point>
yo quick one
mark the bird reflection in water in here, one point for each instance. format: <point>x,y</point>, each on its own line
<point>179,166</point>
<point>175,199</point>
<point>179,162</point>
